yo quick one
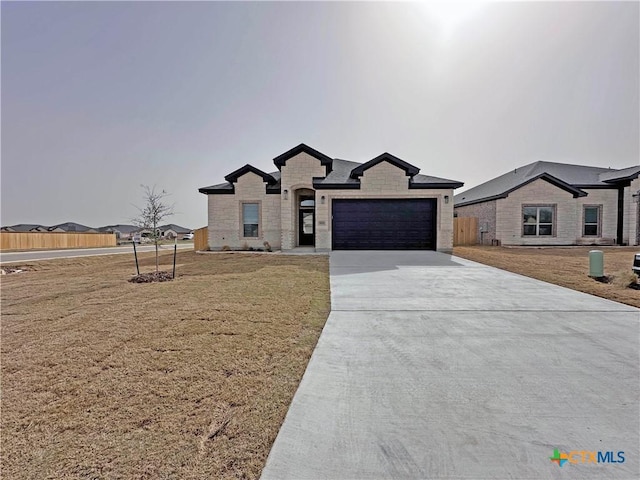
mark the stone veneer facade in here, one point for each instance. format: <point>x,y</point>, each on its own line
<point>278,223</point>
<point>504,221</point>
<point>225,215</point>
<point>385,181</point>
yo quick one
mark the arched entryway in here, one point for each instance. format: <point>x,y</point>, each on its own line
<point>306,206</point>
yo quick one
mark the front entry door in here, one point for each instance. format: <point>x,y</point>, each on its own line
<point>307,222</point>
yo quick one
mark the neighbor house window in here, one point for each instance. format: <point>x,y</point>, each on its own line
<point>591,226</point>
<point>250,219</point>
<point>538,221</point>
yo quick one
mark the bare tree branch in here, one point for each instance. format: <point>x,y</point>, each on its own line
<point>154,211</point>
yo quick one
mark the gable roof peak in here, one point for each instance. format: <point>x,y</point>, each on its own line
<point>233,176</point>
<point>410,170</point>
<point>281,159</point>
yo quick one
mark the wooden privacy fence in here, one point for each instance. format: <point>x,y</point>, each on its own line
<point>201,239</point>
<point>465,231</point>
<point>54,240</point>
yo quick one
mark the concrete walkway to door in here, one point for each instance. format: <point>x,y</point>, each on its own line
<point>431,366</point>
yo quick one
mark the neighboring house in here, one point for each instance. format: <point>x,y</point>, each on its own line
<point>637,200</point>
<point>318,201</point>
<point>173,231</point>
<point>25,227</point>
<point>547,203</point>
<point>123,232</point>
<point>71,227</point>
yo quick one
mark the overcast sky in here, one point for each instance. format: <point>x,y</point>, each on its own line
<point>98,98</point>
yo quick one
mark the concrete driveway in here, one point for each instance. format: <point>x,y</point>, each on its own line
<point>431,366</point>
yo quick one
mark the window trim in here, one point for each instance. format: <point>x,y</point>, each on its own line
<point>538,206</point>
<point>598,224</point>
<point>250,202</point>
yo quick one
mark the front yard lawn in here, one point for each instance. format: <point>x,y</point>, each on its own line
<point>565,266</point>
<point>187,379</point>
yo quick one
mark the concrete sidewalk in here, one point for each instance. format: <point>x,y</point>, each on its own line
<point>431,366</point>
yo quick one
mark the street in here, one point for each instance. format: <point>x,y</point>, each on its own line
<point>32,256</point>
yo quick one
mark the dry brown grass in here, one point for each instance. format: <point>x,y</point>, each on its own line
<point>102,378</point>
<point>568,267</point>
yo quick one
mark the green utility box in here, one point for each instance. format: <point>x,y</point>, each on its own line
<point>596,263</point>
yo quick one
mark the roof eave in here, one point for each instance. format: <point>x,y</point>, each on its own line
<point>480,200</point>
<point>217,191</point>
<point>336,186</point>
<point>575,191</point>
<point>443,185</point>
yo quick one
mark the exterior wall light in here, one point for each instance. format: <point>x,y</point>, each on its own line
<point>322,199</point>
<point>446,199</point>
<point>286,194</point>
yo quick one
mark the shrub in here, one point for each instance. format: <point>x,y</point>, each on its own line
<point>624,279</point>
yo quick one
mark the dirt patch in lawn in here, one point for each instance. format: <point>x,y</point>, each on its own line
<point>102,378</point>
<point>568,267</point>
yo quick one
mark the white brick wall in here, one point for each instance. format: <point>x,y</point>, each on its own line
<point>225,215</point>
<point>297,173</point>
<point>608,199</point>
<point>386,181</point>
<point>384,177</point>
<point>279,217</point>
<point>569,215</point>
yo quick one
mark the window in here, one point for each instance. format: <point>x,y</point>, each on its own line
<point>591,226</point>
<point>250,216</point>
<point>538,221</point>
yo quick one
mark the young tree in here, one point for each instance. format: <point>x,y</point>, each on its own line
<point>154,211</point>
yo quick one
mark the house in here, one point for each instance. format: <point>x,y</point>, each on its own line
<point>71,227</point>
<point>24,227</point>
<point>546,203</point>
<point>317,201</point>
<point>123,232</point>
<point>173,231</point>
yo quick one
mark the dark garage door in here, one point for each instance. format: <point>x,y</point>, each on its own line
<point>403,224</point>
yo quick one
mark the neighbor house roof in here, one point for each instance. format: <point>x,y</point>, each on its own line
<point>62,227</point>
<point>120,227</point>
<point>70,227</point>
<point>175,228</point>
<point>23,227</point>
<point>341,174</point>
<point>572,178</point>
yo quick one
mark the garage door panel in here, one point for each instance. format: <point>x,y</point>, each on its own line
<point>384,224</point>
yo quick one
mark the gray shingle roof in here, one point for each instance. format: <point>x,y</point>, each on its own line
<point>340,176</point>
<point>576,176</point>
<point>122,228</point>
<point>175,228</point>
<point>340,173</point>
<point>624,174</point>
<point>24,227</point>
<point>71,227</point>
<point>417,179</point>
